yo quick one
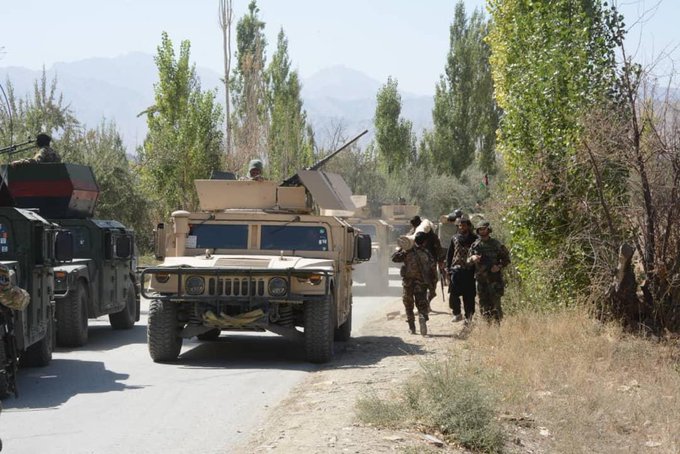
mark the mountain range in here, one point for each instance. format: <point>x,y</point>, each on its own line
<point>120,88</point>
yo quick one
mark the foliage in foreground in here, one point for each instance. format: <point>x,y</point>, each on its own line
<point>440,399</point>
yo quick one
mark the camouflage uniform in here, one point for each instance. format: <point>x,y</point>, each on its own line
<point>416,272</point>
<point>11,296</point>
<point>46,154</point>
<point>462,274</point>
<point>490,285</point>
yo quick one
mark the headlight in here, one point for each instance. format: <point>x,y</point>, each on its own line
<point>314,279</point>
<point>278,286</point>
<point>195,285</point>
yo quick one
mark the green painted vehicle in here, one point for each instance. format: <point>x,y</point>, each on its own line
<point>100,280</point>
<point>30,246</point>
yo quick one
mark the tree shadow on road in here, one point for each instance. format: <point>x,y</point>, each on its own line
<point>51,386</point>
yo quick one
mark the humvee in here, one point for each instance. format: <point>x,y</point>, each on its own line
<point>100,280</point>
<point>257,256</point>
<point>30,247</point>
<point>398,217</point>
<point>375,272</point>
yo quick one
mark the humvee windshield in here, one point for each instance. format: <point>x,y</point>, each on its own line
<point>367,228</point>
<point>215,236</point>
<point>399,230</point>
<point>299,238</point>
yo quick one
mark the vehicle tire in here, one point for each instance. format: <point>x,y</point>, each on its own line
<point>72,318</point>
<point>163,331</point>
<point>40,353</point>
<point>126,318</point>
<point>319,330</point>
<point>344,332</point>
<point>211,335</point>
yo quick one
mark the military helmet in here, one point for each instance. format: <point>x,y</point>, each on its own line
<point>484,223</point>
<point>420,238</point>
<point>255,164</point>
<point>43,140</point>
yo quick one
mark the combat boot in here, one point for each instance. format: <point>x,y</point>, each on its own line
<point>412,326</point>
<point>423,325</point>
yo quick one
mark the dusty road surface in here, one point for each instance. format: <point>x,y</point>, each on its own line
<point>109,397</point>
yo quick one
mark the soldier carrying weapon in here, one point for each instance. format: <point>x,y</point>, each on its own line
<point>44,155</point>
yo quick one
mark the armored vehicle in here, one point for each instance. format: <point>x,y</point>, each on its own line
<point>375,272</point>
<point>398,217</point>
<point>100,280</point>
<point>258,256</point>
<point>30,247</point>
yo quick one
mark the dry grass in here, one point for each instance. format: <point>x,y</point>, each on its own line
<point>594,388</point>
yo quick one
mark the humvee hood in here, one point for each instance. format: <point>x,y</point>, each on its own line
<point>245,262</point>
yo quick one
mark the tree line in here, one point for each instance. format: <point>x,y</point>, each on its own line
<point>541,120</point>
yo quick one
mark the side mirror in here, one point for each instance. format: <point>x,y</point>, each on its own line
<point>123,247</point>
<point>159,241</point>
<point>362,247</point>
<point>63,246</point>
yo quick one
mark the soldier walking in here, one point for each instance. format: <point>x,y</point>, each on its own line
<point>434,247</point>
<point>489,256</point>
<point>417,270</point>
<point>462,273</point>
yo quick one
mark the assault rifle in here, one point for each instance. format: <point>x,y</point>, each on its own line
<point>295,179</point>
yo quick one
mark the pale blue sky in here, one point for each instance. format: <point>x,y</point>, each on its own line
<point>407,39</point>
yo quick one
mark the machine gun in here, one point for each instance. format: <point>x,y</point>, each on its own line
<point>9,363</point>
<point>295,179</point>
<point>18,148</point>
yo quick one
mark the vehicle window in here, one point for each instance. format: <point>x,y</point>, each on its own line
<point>368,228</point>
<point>215,236</point>
<point>81,241</point>
<point>299,238</point>
<point>399,230</point>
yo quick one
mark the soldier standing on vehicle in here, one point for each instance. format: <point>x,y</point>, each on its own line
<point>462,273</point>
<point>416,272</point>
<point>489,256</point>
<point>45,154</point>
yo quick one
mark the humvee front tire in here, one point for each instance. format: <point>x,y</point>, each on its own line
<point>163,331</point>
<point>72,318</point>
<point>319,330</point>
<point>126,318</point>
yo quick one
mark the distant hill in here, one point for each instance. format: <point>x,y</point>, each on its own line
<point>120,88</point>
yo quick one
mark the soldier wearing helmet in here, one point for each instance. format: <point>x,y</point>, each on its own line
<point>45,153</point>
<point>255,168</point>
<point>417,271</point>
<point>489,256</point>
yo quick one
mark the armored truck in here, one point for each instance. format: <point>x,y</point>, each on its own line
<point>100,280</point>
<point>375,272</point>
<point>398,217</point>
<point>30,247</point>
<point>257,256</point>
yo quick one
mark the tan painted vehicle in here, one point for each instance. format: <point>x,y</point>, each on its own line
<point>256,257</point>
<point>398,217</point>
<point>375,272</point>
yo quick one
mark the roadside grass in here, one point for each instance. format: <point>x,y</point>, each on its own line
<point>439,399</point>
<point>593,387</point>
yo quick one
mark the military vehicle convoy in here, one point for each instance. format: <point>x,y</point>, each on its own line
<point>30,247</point>
<point>375,272</point>
<point>100,279</point>
<point>257,256</point>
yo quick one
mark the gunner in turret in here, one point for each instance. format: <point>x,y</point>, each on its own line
<point>44,155</point>
<point>255,170</point>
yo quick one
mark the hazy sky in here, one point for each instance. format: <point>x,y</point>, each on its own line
<point>407,39</point>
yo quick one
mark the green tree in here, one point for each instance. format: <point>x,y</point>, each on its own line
<point>250,121</point>
<point>290,144</point>
<point>393,134</point>
<point>465,115</point>
<point>184,138</point>
<point>553,62</point>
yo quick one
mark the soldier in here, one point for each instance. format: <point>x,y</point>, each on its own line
<point>434,247</point>
<point>45,154</point>
<point>255,170</point>
<point>462,273</point>
<point>416,272</point>
<point>10,295</point>
<point>489,257</point>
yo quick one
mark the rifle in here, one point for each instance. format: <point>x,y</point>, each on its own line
<point>295,179</point>
<point>18,148</point>
<point>10,362</point>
